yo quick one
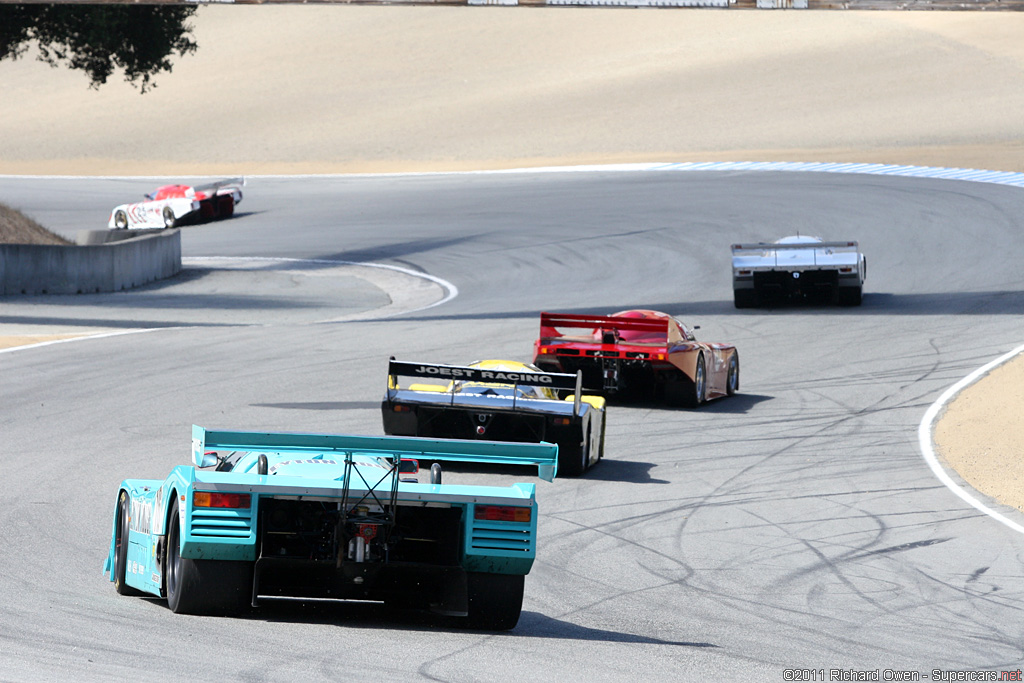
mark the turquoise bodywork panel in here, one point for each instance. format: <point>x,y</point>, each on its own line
<point>499,547</point>
<point>146,524</point>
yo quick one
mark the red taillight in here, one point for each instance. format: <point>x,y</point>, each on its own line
<point>544,350</point>
<point>502,513</point>
<point>399,408</point>
<point>210,499</point>
<point>846,270</point>
<point>561,421</point>
<point>745,272</point>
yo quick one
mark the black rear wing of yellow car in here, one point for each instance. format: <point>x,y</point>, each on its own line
<point>458,373</point>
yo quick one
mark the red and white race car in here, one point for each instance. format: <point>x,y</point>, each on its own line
<point>173,205</point>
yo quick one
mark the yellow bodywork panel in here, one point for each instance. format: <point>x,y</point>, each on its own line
<point>596,401</point>
<point>429,387</point>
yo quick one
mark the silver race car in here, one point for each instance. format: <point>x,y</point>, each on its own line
<point>797,268</point>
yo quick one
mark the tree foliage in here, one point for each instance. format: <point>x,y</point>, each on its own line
<point>140,39</point>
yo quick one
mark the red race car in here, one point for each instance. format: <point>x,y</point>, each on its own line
<point>638,353</point>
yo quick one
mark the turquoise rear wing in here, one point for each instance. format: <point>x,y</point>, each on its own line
<point>544,455</point>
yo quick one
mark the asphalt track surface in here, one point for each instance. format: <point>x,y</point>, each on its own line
<point>795,525</point>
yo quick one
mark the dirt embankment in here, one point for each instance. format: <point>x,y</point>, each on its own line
<point>17,228</point>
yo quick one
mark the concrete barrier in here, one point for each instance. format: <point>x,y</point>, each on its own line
<point>122,261</point>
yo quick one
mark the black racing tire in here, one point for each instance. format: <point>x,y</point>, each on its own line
<point>120,220</point>
<point>695,390</point>
<point>225,206</point>
<point>745,298</point>
<point>495,600</point>
<point>849,296</point>
<point>169,220</point>
<point>585,451</point>
<point>573,457</point>
<point>121,546</point>
<point>732,377</point>
<point>210,587</point>
<point>675,391</point>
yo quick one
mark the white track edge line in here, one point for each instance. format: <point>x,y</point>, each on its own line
<point>926,429</point>
<point>83,337</point>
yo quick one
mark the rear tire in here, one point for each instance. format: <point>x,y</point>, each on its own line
<point>573,459</point>
<point>696,388</point>
<point>225,206</point>
<point>121,547</point>
<point>732,378</point>
<point>849,296</point>
<point>745,298</point>
<point>495,600</point>
<point>213,587</point>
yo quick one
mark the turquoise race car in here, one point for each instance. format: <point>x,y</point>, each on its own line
<point>330,516</point>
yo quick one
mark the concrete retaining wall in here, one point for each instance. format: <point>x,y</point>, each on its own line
<point>108,267</point>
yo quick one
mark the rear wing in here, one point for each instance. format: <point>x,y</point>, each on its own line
<point>762,255</point>
<point>544,455</point>
<point>453,373</point>
<point>760,247</point>
<point>550,322</point>
<point>213,187</point>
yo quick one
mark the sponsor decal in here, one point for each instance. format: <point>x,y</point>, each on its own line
<point>481,375</point>
<point>445,372</point>
<point>515,376</point>
<point>311,461</point>
<point>139,517</point>
<point>158,508</point>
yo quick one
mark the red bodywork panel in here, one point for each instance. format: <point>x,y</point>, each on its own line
<point>646,337</point>
<point>172,191</point>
